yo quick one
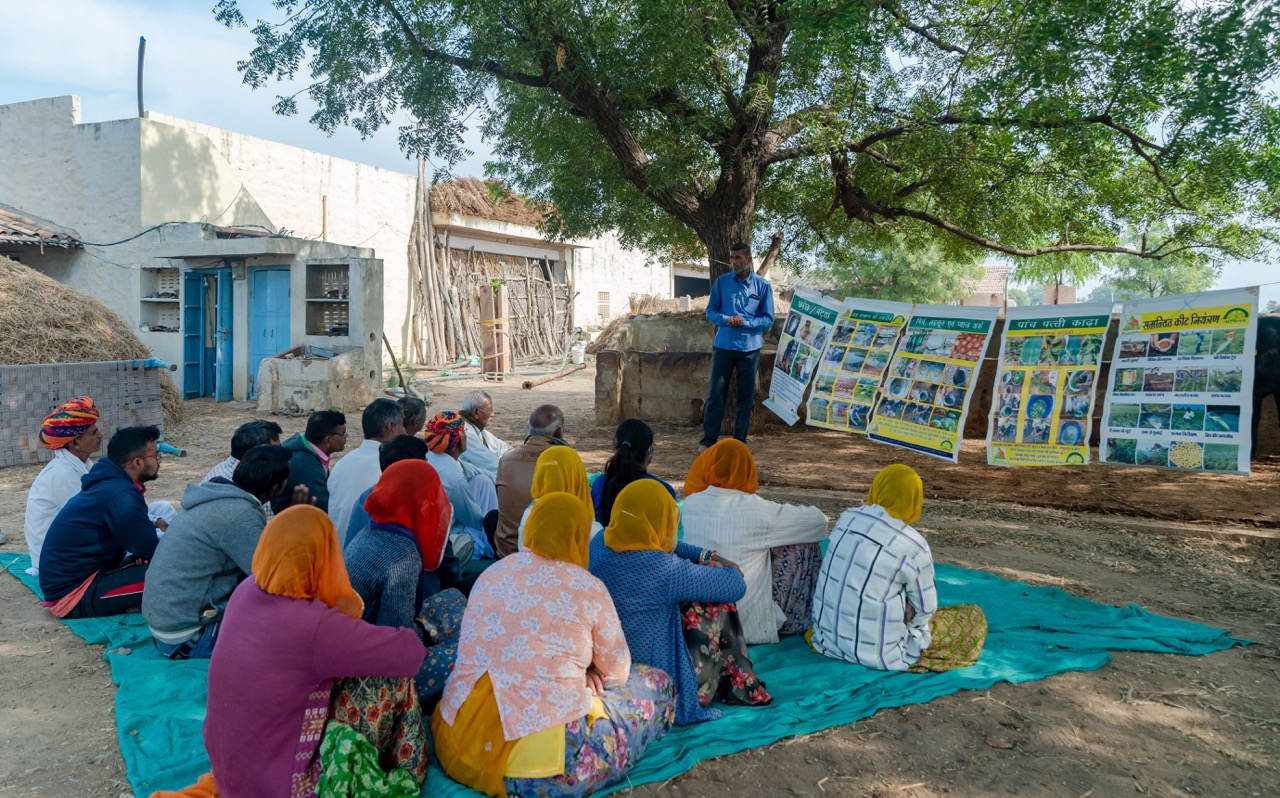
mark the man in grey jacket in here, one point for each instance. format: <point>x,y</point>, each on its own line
<point>207,551</point>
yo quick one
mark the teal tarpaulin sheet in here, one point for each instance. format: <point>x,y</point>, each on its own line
<point>1034,632</point>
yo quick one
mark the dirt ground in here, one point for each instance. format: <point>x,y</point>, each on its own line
<point>1201,547</point>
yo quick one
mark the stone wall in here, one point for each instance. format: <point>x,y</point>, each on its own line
<point>126,393</point>
<point>669,387</point>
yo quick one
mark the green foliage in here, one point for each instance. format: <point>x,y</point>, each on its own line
<point>1135,278</point>
<point>409,372</point>
<point>1038,130</point>
<point>899,273</point>
<point>1024,298</point>
<point>1273,306</point>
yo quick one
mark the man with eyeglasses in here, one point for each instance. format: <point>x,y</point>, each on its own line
<point>96,553</point>
<point>484,449</point>
<point>325,436</point>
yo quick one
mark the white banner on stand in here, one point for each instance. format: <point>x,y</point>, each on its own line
<point>853,364</point>
<point>931,377</point>
<point>1181,387</point>
<point>810,321</point>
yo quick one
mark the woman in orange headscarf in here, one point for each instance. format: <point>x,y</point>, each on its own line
<point>876,603</point>
<point>544,699</point>
<point>775,545</point>
<point>289,631</point>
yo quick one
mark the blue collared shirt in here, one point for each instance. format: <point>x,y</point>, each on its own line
<point>752,299</point>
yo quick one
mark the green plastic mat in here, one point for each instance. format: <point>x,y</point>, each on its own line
<point>1034,632</point>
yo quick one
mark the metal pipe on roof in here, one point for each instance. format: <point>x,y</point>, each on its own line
<point>142,52</point>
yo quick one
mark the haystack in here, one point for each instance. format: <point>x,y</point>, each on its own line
<point>44,321</point>
<point>486,199</point>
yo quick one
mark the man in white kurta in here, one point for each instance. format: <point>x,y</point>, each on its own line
<point>484,449</point>
<point>71,432</point>
<point>359,470</point>
<point>743,527</point>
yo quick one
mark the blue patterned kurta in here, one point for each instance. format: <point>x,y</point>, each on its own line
<point>647,588</point>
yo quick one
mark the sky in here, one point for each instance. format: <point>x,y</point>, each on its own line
<point>90,48</point>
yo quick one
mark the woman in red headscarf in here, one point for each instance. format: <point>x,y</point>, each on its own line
<point>392,566</point>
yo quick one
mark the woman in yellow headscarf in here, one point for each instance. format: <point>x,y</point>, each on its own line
<point>654,581</point>
<point>776,545</point>
<point>876,603</point>
<point>543,699</point>
<point>275,720</point>
<point>559,470</point>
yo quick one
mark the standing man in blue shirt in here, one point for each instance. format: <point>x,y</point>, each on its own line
<point>741,307</point>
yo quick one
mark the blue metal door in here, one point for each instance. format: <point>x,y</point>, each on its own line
<point>268,318</point>
<point>222,341</point>
<point>192,335</point>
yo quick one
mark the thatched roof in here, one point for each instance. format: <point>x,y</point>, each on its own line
<point>487,199</point>
<point>44,321</point>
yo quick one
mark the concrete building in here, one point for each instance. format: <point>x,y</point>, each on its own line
<point>162,204</point>
<point>318,196</point>
<point>992,289</point>
<point>168,235</point>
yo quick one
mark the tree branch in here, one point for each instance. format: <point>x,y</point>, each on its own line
<point>722,80</point>
<point>922,32</point>
<point>861,145</point>
<point>485,66</point>
<point>775,246</point>
<point>589,100</point>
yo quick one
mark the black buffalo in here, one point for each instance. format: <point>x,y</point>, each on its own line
<point>1266,369</point>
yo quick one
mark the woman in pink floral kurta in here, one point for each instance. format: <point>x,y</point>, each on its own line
<point>542,648</point>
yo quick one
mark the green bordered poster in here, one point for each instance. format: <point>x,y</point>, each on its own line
<point>926,394</point>
<point>810,321</point>
<point>854,363</point>
<point>1042,406</point>
<point>1181,386</point>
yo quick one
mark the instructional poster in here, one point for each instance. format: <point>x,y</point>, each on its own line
<point>1182,383</point>
<point>810,321</point>
<point>854,363</point>
<point>926,394</point>
<point>1042,406</point>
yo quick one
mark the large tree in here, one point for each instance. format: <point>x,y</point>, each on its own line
<point>1023,128</point>
<point>1134,278</point>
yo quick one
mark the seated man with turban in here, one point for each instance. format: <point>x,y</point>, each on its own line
<point>71,431</point>
<point>470,490</point>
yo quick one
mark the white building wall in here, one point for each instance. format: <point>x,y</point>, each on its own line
<point>604,266</point>
<point>79,176</point>
<point>314,195</point>
<point>109,180</point>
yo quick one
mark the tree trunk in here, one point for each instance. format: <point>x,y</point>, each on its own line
<point>722,231</point>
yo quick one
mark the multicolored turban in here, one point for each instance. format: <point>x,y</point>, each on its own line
<point>444,432</point>
<point>67,422</point>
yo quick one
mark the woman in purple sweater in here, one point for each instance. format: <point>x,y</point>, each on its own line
<point>289,632</point>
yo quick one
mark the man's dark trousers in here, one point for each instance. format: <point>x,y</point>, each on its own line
<point>724,363</point>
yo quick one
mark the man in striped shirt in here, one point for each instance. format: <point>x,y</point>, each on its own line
<point>875,592</point>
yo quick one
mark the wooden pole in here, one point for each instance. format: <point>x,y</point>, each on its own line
<point>529,384</point>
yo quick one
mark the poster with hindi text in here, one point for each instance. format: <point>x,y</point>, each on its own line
<point>853,365</point>
<point>1181,385</point>
<point>809,324</point>
<point>926,394</point>
<point>1046,379</point>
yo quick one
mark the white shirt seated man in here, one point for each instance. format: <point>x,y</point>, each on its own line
<point>484,449</point>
